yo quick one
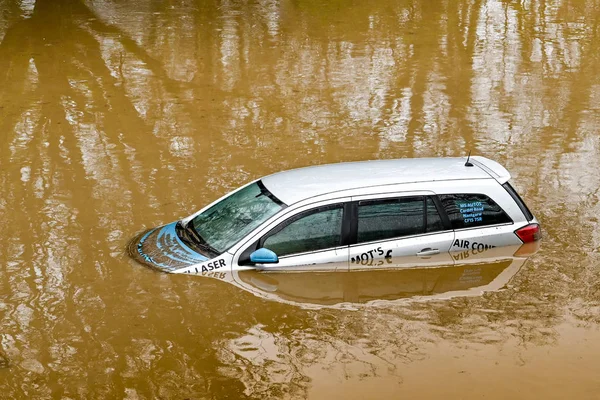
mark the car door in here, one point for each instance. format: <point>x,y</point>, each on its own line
<point>311,239</point>
<point>399,226</point>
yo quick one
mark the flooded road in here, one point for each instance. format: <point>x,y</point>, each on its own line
<point>116,117</point>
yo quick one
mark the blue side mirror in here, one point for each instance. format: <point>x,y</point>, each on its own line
<point>264,256</point>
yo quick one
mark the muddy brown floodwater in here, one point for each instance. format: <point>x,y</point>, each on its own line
<point>117,116</point>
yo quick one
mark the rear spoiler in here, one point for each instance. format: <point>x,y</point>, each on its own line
<point>492,168</point>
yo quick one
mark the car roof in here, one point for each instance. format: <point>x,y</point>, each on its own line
<point>299,184</point>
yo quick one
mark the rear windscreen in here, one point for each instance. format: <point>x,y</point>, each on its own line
<point>513,193</point>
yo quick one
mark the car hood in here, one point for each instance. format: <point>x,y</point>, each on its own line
<point>162,249</point>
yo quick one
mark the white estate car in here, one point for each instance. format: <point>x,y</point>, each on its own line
<point>347,215</point>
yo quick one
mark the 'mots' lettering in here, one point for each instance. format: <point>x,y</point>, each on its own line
<point>369,255</point>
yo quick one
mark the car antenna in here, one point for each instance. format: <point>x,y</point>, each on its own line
<point>468,164</point>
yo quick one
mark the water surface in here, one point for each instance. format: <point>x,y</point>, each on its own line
<point>120,116</point>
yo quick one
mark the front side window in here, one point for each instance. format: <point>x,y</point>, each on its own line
<point>231,219</point>
<point>313,231</point>
<point>390,218</point>
<point>472,210</point>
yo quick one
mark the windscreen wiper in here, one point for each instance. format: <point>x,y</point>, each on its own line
<point>191,238</point>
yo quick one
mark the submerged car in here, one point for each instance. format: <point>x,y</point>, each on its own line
<point>340,216</point>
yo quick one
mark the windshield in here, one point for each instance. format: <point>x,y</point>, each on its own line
<point>228,221</point>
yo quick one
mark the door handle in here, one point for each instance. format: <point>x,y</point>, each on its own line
<point>428,252</point>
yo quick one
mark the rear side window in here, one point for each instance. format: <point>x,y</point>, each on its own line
<point>390,218</point>
<point>513,193</point>
<point>472,210</point>
<point>312,231</point>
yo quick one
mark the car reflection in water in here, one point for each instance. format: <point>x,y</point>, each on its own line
<point>379,281</point>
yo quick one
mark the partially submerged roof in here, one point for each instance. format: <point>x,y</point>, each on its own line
<point>302,183</point>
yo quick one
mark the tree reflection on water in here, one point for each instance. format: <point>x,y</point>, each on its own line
<point>118,116</point>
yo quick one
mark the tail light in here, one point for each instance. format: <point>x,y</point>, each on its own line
<point>529,233</point>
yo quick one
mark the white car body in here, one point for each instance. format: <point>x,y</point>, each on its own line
<point>443,185</point>
<point>384,281</point>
